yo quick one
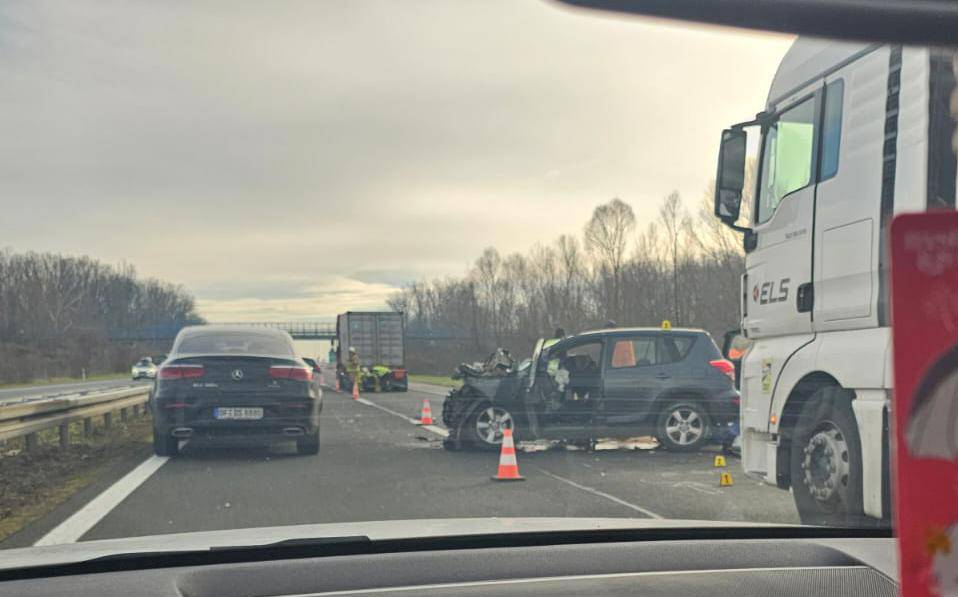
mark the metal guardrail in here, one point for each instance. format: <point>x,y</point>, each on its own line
<point>25,419</point>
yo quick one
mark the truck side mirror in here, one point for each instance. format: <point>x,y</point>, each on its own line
<point>730,178</point>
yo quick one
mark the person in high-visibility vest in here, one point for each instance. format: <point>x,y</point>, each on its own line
<point>353,365</point>
<point>557,335</point>
<point>553,364</point>
<point>379,373</point>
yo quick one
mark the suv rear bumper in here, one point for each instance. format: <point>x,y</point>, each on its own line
<point>724,407</point>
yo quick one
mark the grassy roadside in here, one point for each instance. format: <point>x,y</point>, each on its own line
<point>438,380</point>
<point>58,380</point>
<point>36,482</point>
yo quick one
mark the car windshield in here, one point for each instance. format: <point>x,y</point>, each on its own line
<point>483,224</point>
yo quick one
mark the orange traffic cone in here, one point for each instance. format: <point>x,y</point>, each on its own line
<point>425,418</point>
<point>508,467</point>
<point>355,390</point>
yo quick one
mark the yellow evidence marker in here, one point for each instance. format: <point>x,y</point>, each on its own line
<point>725,480</point>
<point>719,461</point>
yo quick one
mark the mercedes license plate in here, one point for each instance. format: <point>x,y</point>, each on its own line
<point>238,413</point>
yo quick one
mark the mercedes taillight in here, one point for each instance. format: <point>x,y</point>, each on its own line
<point>180,372</point>
<point>291,372</point>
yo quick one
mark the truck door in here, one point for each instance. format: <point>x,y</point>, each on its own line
<point>848,219</point>
<point>777,285</point>
<point>780,264</point>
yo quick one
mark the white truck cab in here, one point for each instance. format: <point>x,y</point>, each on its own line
<point>851,134</point>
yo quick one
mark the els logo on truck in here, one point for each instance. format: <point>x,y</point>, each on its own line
<point>765,294</point>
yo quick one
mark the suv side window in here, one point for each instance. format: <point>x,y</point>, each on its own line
<point>583,358</point>
<point>634,352</point>
<point>674,348</point>
<point>643,351</point>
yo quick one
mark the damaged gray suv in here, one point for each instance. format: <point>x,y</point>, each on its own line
<point>623,382</point>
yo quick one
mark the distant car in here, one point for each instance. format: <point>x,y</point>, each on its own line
<point>235,385</point>
<point>619,382</point>
<point>145,368</point>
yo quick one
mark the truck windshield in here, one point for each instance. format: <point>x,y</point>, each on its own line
<point>786,158</point>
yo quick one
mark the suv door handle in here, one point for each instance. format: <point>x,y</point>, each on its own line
<point>662,376</point>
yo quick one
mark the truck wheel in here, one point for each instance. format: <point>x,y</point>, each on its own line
<point>826,461</point>
<point>683,426</point>
<point>484,427</point>
<point>308,445</point>
<point>165,445</point>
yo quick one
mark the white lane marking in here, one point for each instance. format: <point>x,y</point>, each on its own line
<point>696,486</point>
<point>426,388</point>
<point>84,519</point>
<point>433,428</point>
<point>602,494</point>
<point>436,430</point>
<point>388,410</point>
<point>445,433</point>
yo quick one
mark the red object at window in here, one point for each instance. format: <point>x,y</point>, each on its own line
<point>623,354</point>
<point>924,282</point>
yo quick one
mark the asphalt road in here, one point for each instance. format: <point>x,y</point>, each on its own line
<point>32,392</point>
<point>375,464</point>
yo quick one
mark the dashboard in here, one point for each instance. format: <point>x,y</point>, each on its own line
<point>720,567</point>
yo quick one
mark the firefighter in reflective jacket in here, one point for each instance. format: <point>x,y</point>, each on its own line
<point>353,366</point>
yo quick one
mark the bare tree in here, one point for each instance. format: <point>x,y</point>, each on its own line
<point>64,314</point>
<point>510,301</point>
<point>675,221</point>
<point>606,236</point>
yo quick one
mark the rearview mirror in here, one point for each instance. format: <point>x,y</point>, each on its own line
<point>730,178</point>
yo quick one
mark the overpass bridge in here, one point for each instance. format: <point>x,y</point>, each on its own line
<point>299,330</point>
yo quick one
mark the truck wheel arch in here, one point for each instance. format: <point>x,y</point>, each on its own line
<point>800,394</point>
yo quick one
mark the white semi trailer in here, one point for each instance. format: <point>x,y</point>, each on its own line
<point>851,135</point>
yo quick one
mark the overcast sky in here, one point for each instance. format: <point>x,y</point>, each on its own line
<point>291,160</point>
